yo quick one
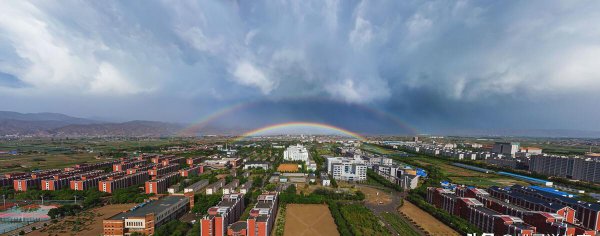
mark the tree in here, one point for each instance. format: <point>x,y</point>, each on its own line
<point>291,189</point>
<point>270,187</point>
<point>173,228</point>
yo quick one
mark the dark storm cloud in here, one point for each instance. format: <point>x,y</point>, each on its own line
<point>437,65</point>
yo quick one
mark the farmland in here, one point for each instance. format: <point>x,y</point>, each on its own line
<point>467,177</point>
<point>425,221</point>
<point>309,219</point>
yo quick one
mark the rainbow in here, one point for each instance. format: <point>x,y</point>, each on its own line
<point>299,124</point>
<point>193,129</point>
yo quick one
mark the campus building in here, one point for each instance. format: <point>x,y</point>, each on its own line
<point>296,153</point>
<point>146,217</point>
<point>256,165</point>
<point>346,168</point>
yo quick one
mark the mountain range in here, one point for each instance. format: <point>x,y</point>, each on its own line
<point>60,125</point>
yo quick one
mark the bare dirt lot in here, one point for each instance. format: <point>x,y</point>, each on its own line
<point>309,219</point>
<point>288,167</point>
<point>375,196</point>
<point>425,220</point>
<point>91,222</point>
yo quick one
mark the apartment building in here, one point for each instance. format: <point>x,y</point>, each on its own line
<point>174,160</point>
<point>222,215</point>
<point>111,184</point>
<point>215,187</point>
<point>95,166</point>
<point>91,181</point>
<point>261,220</point>
<point>124,165</point>
<point>231,186</point>
<point>586,169</point>
<point>559,166</point>
<point>195,187</point>
<point>160,185</point>
<point>158,171</point>
<point>474,211</point>
<point>192,170</point>
<point>587,214</point>
<point>140,168</point>
<point>61,181</point>
<point>193,161</point>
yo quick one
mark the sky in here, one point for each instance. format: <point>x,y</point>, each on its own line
<point>368,66</point>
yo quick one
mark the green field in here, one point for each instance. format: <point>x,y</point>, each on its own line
<point>362,221</point>
<point>400,226</point>
<point>59,153</point>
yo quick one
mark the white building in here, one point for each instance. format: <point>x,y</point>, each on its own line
<point>296,153</point>
<point>256,165</point>
<point>347,169</point>
<point>506,148</point>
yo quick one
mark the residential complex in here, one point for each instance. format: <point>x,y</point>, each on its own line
<point>261,220</point>
<point>222,215</point>
<point>517,210</point>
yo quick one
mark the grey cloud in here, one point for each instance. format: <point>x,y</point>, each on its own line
<point>416,59</point>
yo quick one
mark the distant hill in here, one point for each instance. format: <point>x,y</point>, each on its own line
<point>60,125</point>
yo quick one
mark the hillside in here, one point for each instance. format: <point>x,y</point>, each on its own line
<point>60,125</point>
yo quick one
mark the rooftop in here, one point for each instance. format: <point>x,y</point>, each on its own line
<point>155,207</point>
<point>238,226</point>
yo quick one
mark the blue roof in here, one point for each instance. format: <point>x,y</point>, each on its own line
<point>421,172</point>
<point>552,191</point>
<point>524,177</point>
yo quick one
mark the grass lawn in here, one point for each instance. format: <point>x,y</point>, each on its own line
<point>475,181</point>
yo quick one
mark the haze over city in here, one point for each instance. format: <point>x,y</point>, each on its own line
<point>389,67</point>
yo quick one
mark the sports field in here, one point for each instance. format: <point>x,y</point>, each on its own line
<point>309,219</point>
<point>289,167</point>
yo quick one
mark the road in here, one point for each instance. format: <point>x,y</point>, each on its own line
<point>391,207</point>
